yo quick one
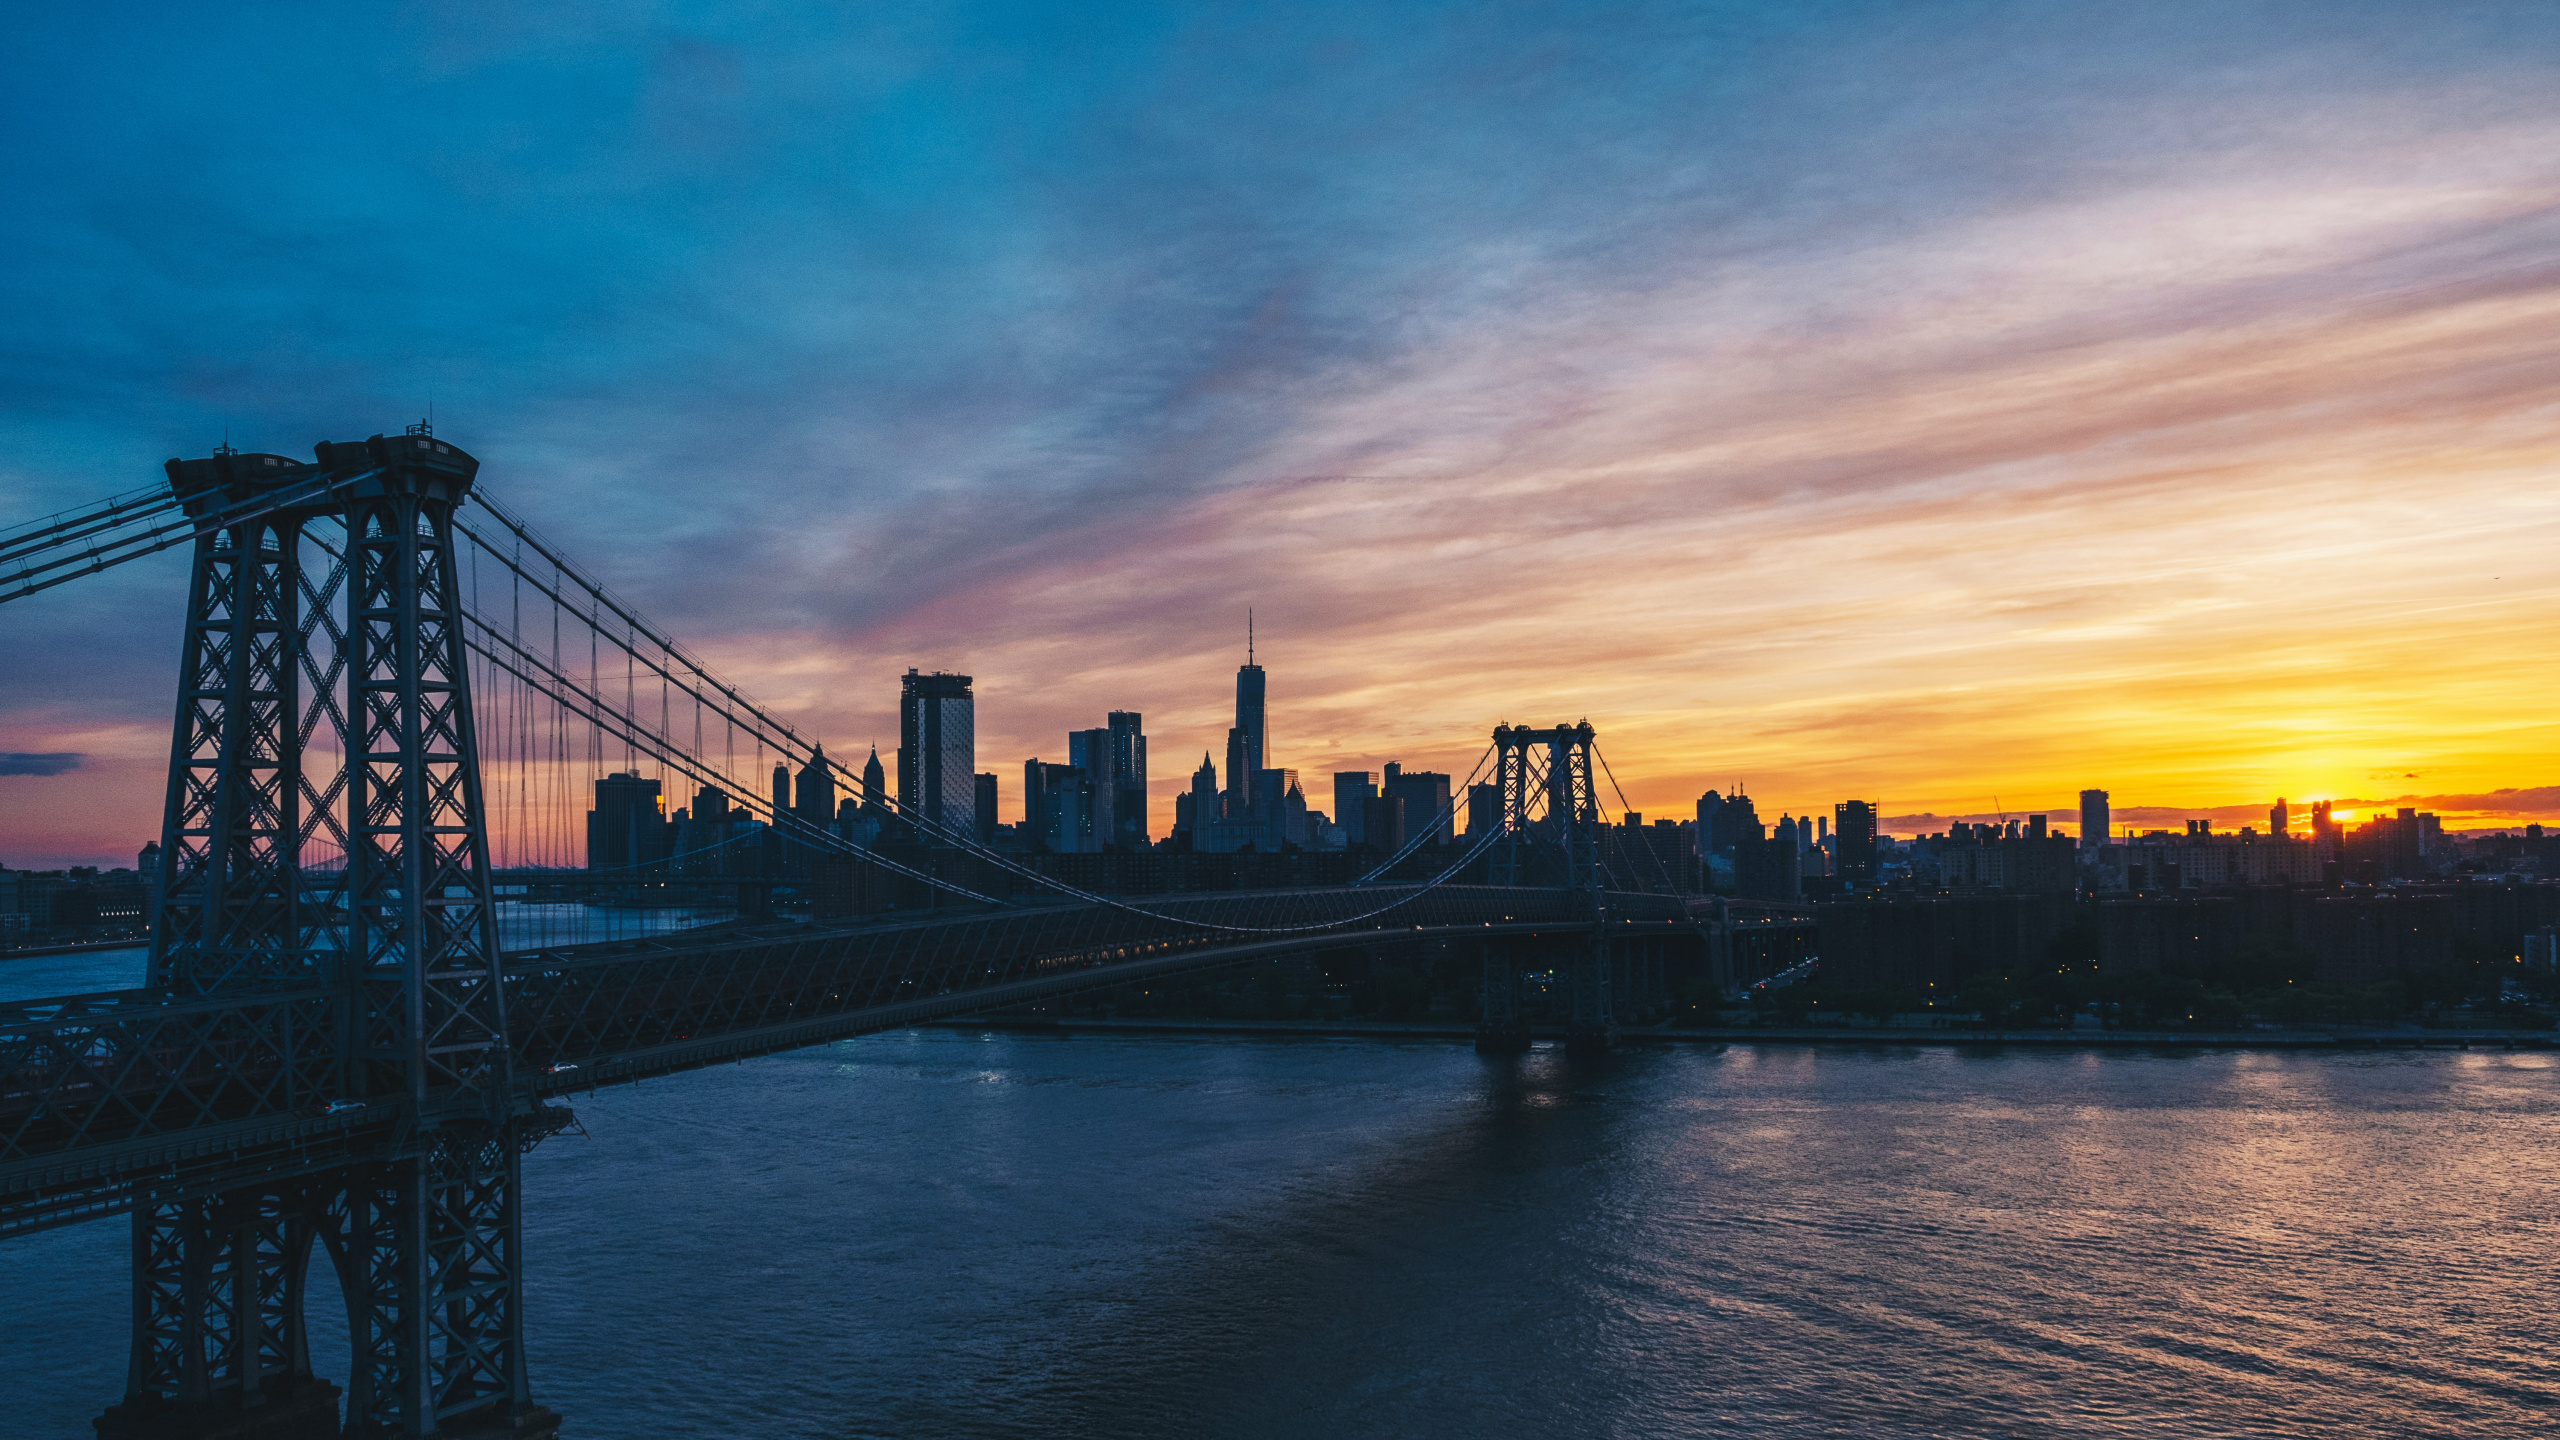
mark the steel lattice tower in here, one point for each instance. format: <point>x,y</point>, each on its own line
<point>1570,828</point>
<point>362,866</point>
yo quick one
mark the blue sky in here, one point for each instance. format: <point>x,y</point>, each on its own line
<point>1023,340</point>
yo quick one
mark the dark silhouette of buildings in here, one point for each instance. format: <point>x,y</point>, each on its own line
<point>1060,809</point>
<point>1382,822</point>
<point>1854,853</point>
<point>2094,821</point>
<point>813,796</point>
<point>1130,826</point>
<point>937,751</point>
<point>1198,805</point>
<point>1352,791</point>
<point>627,829</point>
<point>1425,794</point>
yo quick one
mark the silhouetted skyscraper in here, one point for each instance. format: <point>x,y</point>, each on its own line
<point>1352,790</point>
<point>1091,752</point>
<point>813,799</point>
<point>627,829</point>
<point>1382,821</point>
<point>875,786</point>
<point>2279,819</point>
<point>1426,802</point>
<point>2094,823</point>
<point>1247,743</point>
<point>1130,825</point>
<point>1057,809</point>
<point>986,808</point>
<point>1855,855</point>
<point>1197,806</point>
<point>938,752</point>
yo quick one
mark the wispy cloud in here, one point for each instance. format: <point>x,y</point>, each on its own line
<point>58,763</point>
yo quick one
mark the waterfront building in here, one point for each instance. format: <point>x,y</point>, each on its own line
<point>938,751</point>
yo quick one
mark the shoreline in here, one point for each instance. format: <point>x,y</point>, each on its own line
<point>83,947</point>
<point>2411,1039</point>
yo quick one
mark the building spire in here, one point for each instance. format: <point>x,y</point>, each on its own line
<point>1248,634</point>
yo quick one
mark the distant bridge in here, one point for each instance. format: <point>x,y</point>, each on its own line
<point>333,1049</point>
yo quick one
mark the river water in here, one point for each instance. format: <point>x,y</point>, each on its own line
<point>953,1233</point>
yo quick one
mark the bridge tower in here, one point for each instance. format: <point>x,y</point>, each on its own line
<point>360,864</point>
<point>1554,765</point>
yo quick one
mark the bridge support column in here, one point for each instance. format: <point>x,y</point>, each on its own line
<point>1501,1030</point>
<point>218,1346</point>
<point>1595,1019</point>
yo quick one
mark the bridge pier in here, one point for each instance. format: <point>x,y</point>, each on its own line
<point>1501,1029</point>
<point>425,1249</point>
<point>1594,1027</point>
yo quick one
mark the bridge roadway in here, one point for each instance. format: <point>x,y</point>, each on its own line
<point>102,1095</point>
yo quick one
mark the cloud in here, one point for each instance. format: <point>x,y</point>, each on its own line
<point>54,763</point>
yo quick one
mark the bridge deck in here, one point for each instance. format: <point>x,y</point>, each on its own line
<point>99,1092</point>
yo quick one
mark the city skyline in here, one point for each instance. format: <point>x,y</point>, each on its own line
<point>2508,809</point>
<point>2197,449</point>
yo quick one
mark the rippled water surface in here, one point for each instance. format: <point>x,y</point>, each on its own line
<point>959,1234</point>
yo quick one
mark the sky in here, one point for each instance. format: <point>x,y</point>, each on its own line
<point>1951,405</point>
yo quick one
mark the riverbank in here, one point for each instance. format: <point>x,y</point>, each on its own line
<point>2410,1038</point>
<point>84,947</point>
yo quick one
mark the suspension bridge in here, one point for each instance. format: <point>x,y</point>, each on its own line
<point>393,697</point>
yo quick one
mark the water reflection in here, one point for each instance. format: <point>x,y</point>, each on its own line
<point>953,1234</point>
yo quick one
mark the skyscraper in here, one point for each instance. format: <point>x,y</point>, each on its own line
<point>938,752</point>
<point>1129,822</point>
<point>1856,852</point>
<point>627,829</point>
<point>1057,809</point>
<point>2093,818</point>
<point>1091,752</point>
<point>875,799</point>
<point>1426,802</point>
<point>1197,806</point>
<point>1352,790</point>
<point>2279,819</point>
<point>813,799</point>
<point>1247,743</point>
<point>986,809</point>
